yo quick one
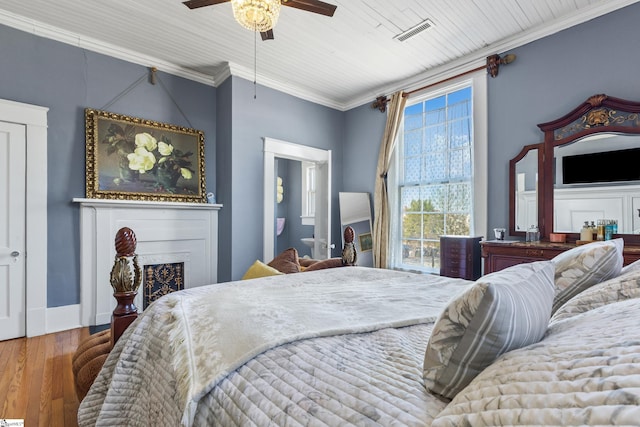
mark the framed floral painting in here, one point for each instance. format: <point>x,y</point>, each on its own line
<point>129,158</point>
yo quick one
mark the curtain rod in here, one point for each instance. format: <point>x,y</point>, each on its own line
<point>492,66</point>
<point>420,89</point>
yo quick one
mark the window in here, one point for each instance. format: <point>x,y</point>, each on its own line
<point>308,193</point>
<point>436,171</point>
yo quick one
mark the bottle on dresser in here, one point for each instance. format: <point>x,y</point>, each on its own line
<point>586,234</point>
<point>533,234</point>
<point>600,229</point>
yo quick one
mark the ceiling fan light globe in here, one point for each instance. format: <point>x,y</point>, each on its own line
<point>256,15</point>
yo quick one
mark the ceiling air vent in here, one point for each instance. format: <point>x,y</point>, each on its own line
<point>414,30</point>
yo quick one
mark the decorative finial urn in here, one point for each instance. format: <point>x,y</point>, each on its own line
<point>126,274</point>
<point>349,253</point>
<point>126,242</point>
<point>349,234</point>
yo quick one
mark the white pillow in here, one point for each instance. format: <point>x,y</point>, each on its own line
<point>634,266</point>
<point>586,371</point>
<point>584,266</point>
<point>500,312</point>
<point>619,288</point>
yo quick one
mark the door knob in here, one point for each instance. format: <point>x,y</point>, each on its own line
<point>15,254</point>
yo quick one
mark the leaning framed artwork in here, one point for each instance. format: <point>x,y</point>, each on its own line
<point>366,244</point>
<point>130,158</point>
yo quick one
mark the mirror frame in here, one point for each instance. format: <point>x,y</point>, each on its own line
<point>598,114</point>
<point>512,185</point>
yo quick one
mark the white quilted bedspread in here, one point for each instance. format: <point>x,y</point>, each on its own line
<point>586,371</point>
<point>372,379</point>
<point>165,368</point>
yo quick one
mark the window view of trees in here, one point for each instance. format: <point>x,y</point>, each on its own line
<point>436,192</point>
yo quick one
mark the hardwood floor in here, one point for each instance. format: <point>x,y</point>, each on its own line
<point>36,380</point>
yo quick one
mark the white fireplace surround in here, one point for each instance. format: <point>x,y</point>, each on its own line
<point>166,232</point>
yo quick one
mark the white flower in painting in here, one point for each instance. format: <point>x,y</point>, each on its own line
<point>146,140</point>
<point>186,173</point>
<point>165,149</point>
<point>141,160</point>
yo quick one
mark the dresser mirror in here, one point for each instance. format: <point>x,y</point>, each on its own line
<point>597,177</point>
<point>523,189</point>
<point>593,172</point>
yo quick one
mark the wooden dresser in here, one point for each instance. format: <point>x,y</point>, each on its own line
<point>460,257</point>
<point>499,255</point>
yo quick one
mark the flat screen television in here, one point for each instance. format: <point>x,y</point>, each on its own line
<point>607,166</point>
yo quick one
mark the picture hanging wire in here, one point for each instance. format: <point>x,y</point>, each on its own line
<point>153,77</point>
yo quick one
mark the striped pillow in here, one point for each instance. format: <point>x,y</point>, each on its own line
<point>584,266</point>
<point>500,312</point>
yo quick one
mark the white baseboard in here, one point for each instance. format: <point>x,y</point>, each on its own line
<point>36,321</point>
<point>63,318</point>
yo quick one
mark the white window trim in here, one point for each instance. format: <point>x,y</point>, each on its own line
<point>478,83</point>
<point>308,218</point>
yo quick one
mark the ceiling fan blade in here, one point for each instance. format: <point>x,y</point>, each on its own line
<point>315,6</point>
<point>194,4</point>
<point>267,35</point>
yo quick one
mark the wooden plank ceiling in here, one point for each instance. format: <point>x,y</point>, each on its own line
<point>341,61</point>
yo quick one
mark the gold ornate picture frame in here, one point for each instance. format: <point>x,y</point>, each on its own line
<point>128,158</point>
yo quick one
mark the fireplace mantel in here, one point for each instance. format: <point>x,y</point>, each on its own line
<point>166,232</point>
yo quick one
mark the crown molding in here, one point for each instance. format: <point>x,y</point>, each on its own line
<point>231,69</point>
<point>429,77</point>
<point>478,58</point>
<point>41,29</point>
<point>222,73</point>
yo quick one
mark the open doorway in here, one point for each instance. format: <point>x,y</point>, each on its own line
<point>276,149</point>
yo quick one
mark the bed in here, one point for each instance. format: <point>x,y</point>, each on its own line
<point>546,343</point>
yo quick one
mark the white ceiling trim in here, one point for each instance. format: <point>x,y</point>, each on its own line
<point>54,33</point>
<point>429,77</point>
<point>239,71</point>
<point>479,58</point>
<point>41,29</point>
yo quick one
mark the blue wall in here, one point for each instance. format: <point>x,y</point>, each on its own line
<point>68,79</point>
<point>223,172</point>
<point>364,127</point>
<point>551,77</point>
<point>276,115</point>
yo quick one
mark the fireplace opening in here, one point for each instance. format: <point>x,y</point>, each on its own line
<point>162,279</point>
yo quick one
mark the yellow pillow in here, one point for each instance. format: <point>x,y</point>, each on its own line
<point>260,269</point>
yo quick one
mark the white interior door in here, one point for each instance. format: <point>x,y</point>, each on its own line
<point>322,223</point>
<point>12,230</point>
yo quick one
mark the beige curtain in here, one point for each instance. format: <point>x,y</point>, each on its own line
<point>395,110</point>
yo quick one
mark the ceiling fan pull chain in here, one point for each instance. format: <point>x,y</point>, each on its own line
<point>255,60</point>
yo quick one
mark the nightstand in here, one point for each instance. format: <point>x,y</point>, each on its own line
<point>460,257</point>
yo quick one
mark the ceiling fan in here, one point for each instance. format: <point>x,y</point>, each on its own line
<point>262,15</point>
